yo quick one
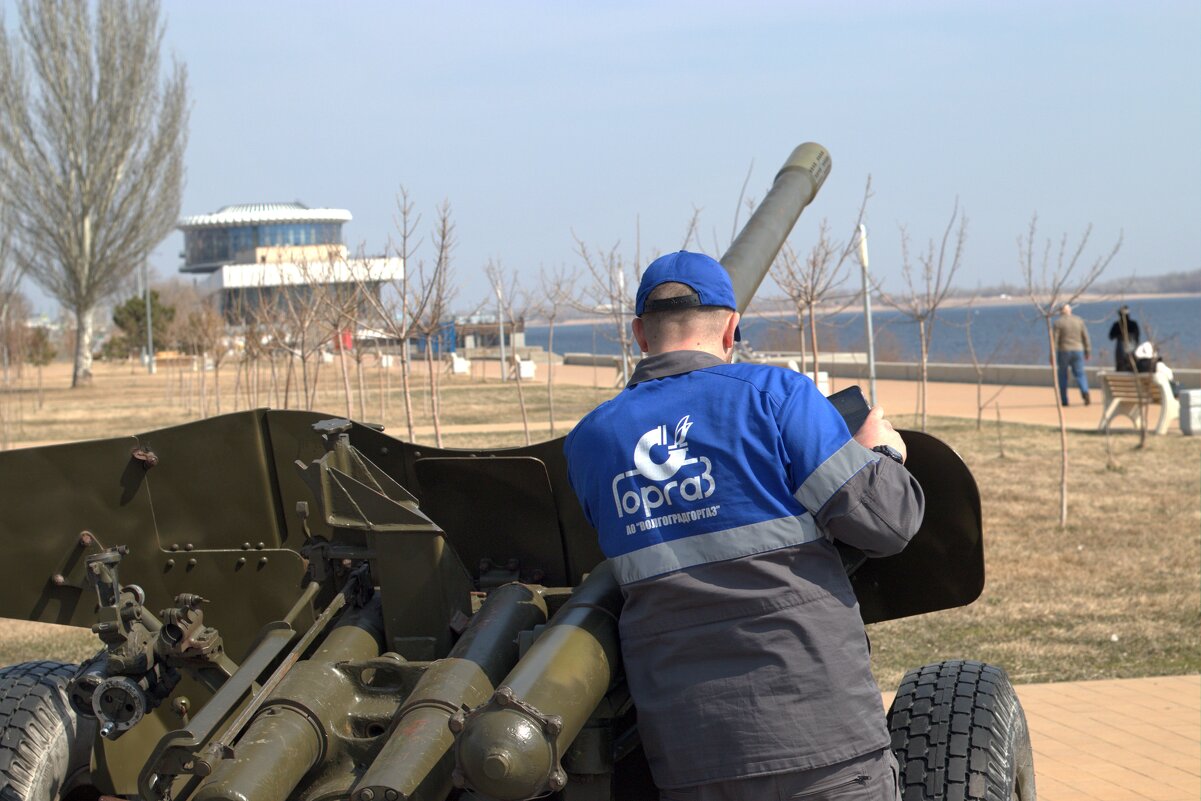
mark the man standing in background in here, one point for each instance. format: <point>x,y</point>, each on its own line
<point>1072,349</point>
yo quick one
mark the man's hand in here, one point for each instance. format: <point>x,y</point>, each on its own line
<point>878,431</point>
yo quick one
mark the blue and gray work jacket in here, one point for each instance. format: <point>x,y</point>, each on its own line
<point>716,490</point>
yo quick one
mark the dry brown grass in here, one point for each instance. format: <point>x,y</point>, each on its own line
<point>124,400</point>
<point>1115,594</point>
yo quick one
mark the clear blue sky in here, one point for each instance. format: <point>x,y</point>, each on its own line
<point>537,119</point>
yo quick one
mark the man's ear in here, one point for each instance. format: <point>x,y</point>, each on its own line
<point>727,335</point>
<point>640,335</point>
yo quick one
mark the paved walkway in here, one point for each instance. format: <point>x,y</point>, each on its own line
<point>1017,404</point>
<point>1116,740</point>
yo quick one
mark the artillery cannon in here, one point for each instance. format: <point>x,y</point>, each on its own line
<point>299,608</point>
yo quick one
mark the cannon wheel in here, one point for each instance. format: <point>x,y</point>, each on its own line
<point>958,731</point>
<point>44,749</point>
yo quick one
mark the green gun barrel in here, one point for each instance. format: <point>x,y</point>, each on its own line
<point>289,737</point>
<point>751,254</point>
<point>414,762</point>
<point>509,748</point>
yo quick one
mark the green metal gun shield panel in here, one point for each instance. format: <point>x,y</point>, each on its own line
<point>212,486</point>
<point>49,496</point>
<point>531,506</point>
<point>496,507</point>
<point>291,438</point>
<point>184,520</point>
<point>943,566</point>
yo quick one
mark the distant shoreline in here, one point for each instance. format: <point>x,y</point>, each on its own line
<point>949,303</point>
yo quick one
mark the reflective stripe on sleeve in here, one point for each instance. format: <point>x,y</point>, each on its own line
<point>831,474</point>
<point>716,546</point>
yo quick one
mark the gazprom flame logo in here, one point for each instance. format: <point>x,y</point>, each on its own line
<point>664,474</point>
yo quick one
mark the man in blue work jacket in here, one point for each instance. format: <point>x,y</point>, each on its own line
<point>717,490</point>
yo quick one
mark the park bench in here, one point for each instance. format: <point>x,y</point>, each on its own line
<point>521,368</point>
<point>457,365</point>
<point>1122,397</point>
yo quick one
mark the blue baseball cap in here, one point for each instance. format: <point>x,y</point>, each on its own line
<point>708,279</point>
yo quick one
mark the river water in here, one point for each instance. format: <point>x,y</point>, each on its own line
<point>1012,333</point>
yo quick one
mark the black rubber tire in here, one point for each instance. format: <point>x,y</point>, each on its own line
<point>44,749</point>
<point>959,734</point>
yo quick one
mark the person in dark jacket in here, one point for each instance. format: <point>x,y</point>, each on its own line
<point>718,491</point>
<point>1125,335</point>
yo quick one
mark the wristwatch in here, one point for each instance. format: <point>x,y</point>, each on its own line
<point>890,452</point>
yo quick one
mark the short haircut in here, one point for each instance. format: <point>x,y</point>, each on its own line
<point>705,322</point>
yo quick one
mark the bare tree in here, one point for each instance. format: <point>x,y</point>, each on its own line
<point>817,280</point>
<point>14,336</point>
<point>609,290</point>
<point>339,305</point>
<point>400,306</point>
<point>510,297</point>
<point>11,273</point>
<point>263,326</point>
<point>39,351</point>
<point>91,148</point>
<point>979,366</point>
<point>305,329</point>
<point>439,290</point>
<point>926,293</point>
<point>558,291</point>
<point>202,333</point>
<point>1050,284</point>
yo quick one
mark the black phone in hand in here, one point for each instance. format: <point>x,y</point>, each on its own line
<point>853,407</point>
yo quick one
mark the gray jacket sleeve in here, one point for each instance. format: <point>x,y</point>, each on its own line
<point>878,511</point>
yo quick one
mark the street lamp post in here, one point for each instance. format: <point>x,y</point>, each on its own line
<point>867,314</point>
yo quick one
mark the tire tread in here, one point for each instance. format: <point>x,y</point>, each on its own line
<point>956,728</point>
<point>33,712</point>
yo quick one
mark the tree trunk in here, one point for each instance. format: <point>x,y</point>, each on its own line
<point>813,341</point>
<point>254,376</point>
<point>40,399</point>
<point>358,366</point>
<point>312,402</point>
<point>345,375</point>
<point>383,386</point>
<point>550,377</point>
<point>204,405</point>
<point>242,365</point>
<point>525,418</point>
<point>287,380</point>
<point>924,353</point>
<point>217,383</point>
<point>82,373</point>
<point>1063,429</point>
<point>433,381</point>
<point>800,327</point>
<point>304,375</point>
<point>979,402</point>
<point>4,333</point>
<point>405,389</point>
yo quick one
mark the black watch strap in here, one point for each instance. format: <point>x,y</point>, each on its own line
<point>890,452</point>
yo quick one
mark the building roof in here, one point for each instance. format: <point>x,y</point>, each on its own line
<point>264,213</point>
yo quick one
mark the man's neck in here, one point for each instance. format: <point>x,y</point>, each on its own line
<point>692,346</point>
